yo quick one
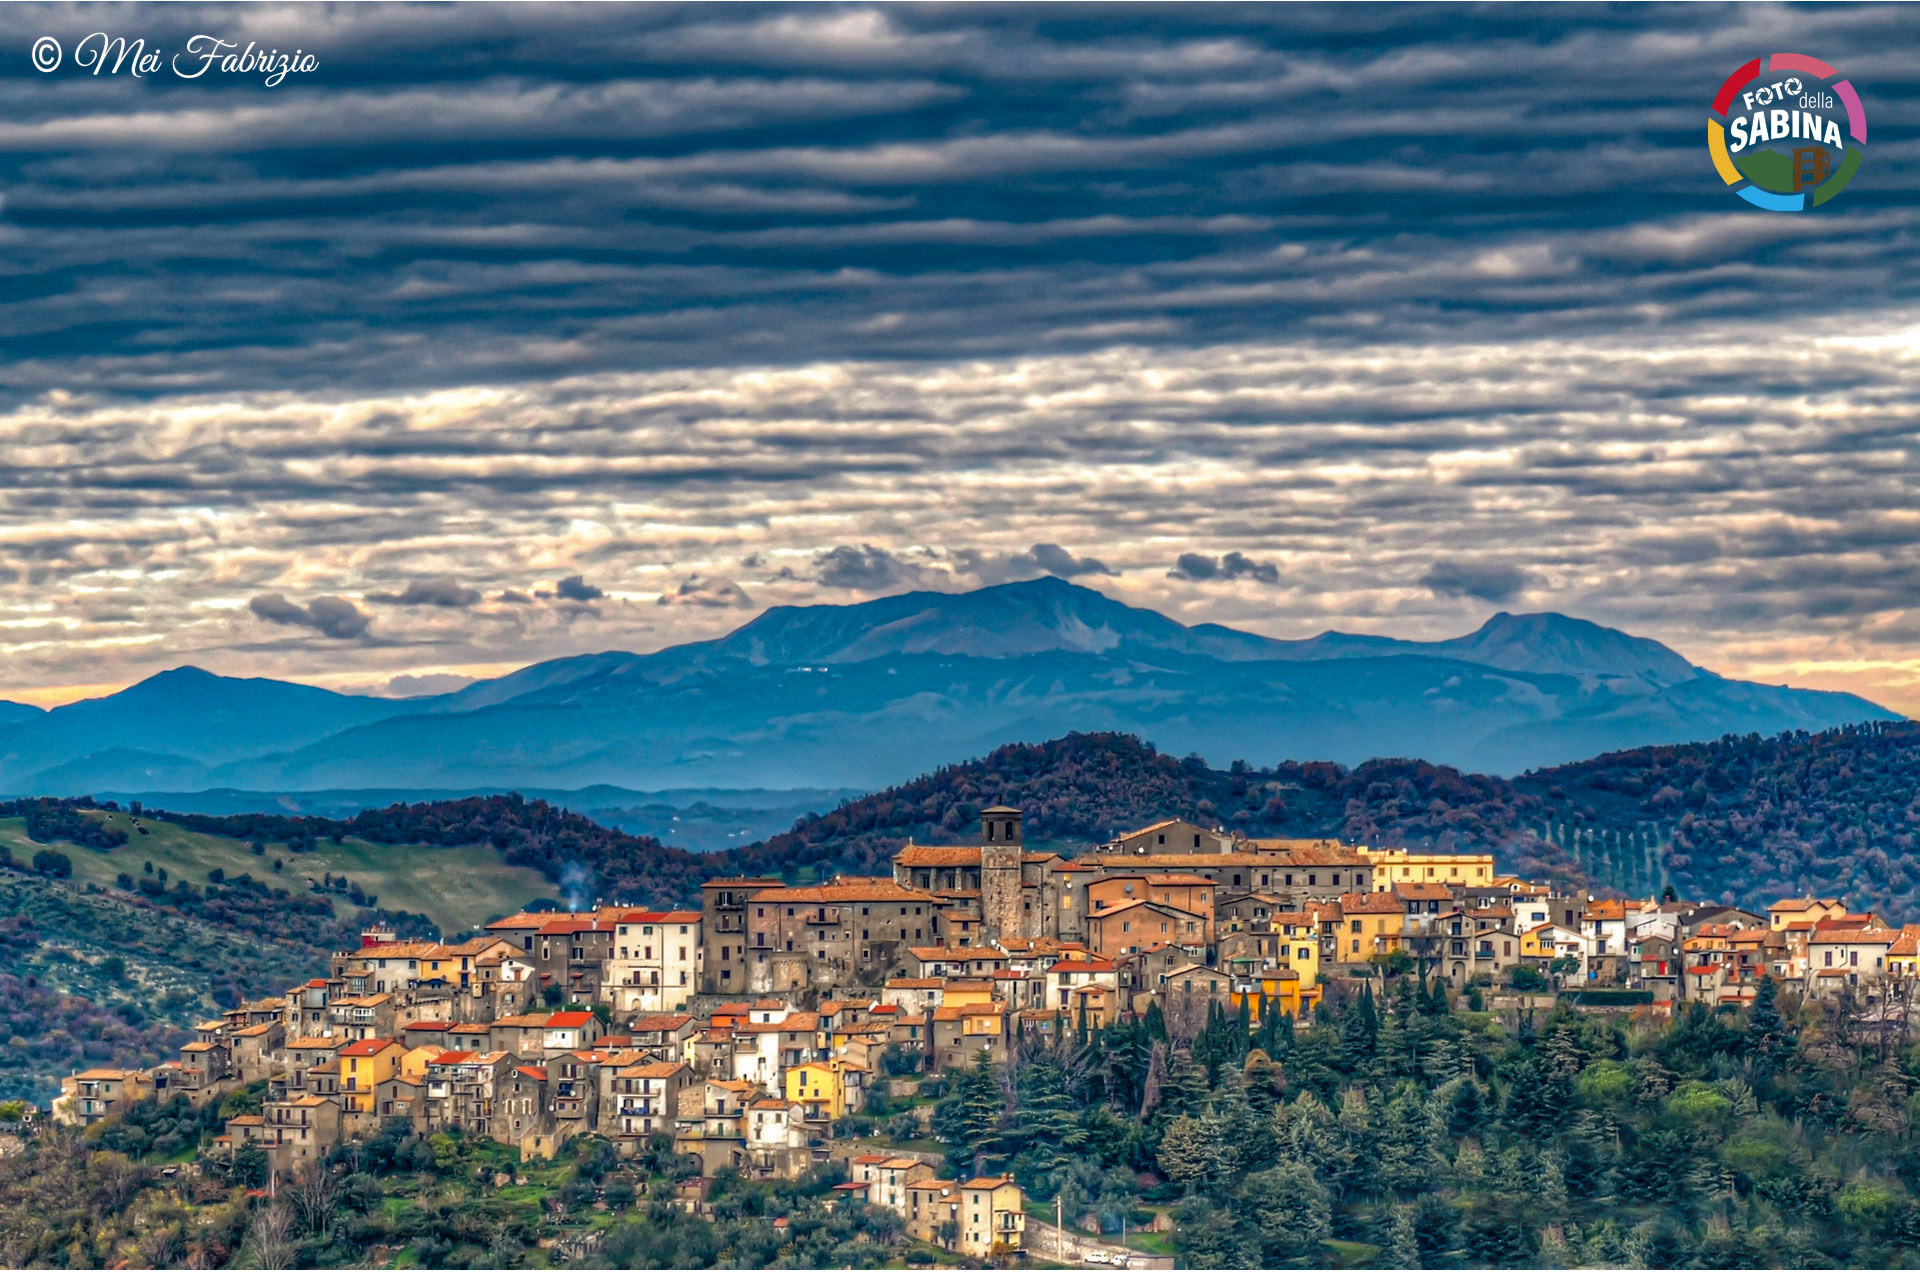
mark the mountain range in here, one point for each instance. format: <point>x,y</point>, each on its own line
<point>870,694</point>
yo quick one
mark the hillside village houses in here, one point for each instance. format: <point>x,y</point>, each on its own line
<point>746,1029</point>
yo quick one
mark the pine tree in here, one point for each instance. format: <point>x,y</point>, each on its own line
<point>1186,1087</point>
<point>1247,1130</point>
<point>1768,1041</point>
<point>1403,1242</point>
<point>968,1120</point>
<point>1359,1032</point>
<point>1288,1213</point>
<point>1046,1123</point>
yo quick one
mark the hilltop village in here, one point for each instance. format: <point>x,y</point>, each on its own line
<point>748,1030</point>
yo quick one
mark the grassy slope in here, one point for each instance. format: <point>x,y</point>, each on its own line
<point>456,887</point>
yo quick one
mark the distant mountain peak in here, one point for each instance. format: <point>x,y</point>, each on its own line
<point>1560,644</point>
<point>855,695</point>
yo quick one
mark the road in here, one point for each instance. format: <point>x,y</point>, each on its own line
<point>1047,1241</point>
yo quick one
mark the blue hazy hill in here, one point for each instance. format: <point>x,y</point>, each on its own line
<point>868,694</point>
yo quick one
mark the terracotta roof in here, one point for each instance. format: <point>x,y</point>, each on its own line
<point>1369,903</point>
<point>928,856</point>
<point>661,916</point>
<point>844,890</point>
<point>1855,936</point>
<point>573,927</point>
<point>659,1024</point>
<point>1423,892</point>
<point>988,1181</point>
<point>1082,965</point>
<point>1147,830</point>
<point>368,1047</point>
<point>399,949</point>
<point>1320,852</point>
<point>569,1019</point>
<point>533,1071</point>
<point>654,1069</point>
<point>522,920</point>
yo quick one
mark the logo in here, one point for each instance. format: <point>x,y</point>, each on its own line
<point>1787,137</point>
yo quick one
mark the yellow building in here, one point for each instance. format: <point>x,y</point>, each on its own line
<point>414,1063</point>
<point>1903,956</point>
<point>1370,923</point>
<point>820,1088</point>
<point>966,992</point>
<point>1803,910</point>
<point>992,1217</point>
<point>363,1067</point>
<point>1402,865</point>
<point>1298,945</point>
<point>1280,989</point>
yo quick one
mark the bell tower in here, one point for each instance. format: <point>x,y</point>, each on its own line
<point>1000,873</point>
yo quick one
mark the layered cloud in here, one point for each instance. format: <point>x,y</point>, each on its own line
<point>515,333</point>
<point>332,616</point>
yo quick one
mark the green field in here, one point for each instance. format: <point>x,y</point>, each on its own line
<point>457,888</point>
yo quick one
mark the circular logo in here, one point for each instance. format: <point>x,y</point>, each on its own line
<point>1787,132</point>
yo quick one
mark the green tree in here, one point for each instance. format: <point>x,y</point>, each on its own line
<point>1047,1131</point>
<point>969,1118</point>
<point>1287,1211</point>
<point>1403,1240</point>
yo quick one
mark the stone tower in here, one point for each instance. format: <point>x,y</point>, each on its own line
<point>1000,873</point>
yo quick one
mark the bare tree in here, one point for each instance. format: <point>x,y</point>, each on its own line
<point>316,1195</point>
<point>1186,1015</point>
<point>1156,1075</point>
<point>270,1237</point>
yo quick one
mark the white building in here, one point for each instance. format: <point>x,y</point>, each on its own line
<point>655,963</point>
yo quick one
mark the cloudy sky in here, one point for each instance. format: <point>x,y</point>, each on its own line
<point>515,332</point>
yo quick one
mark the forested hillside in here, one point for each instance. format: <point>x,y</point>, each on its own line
<point>1741,819</point>
<point>1075,790</point>
<point>1746,818</point>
